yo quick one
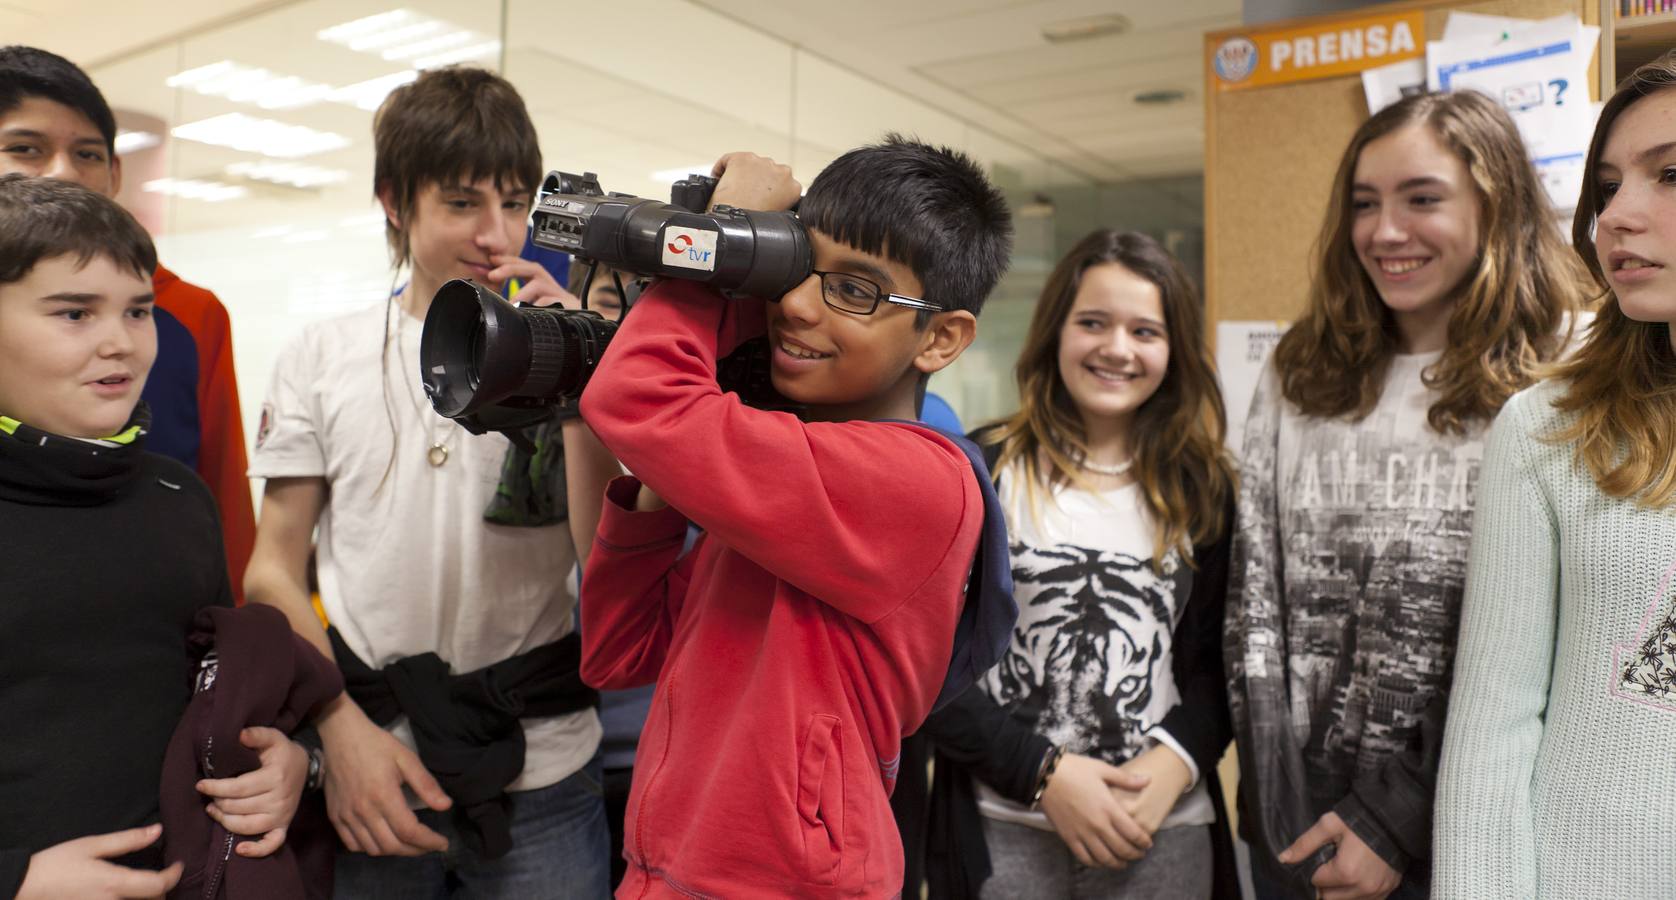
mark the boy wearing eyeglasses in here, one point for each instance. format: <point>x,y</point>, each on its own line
<point>815,622</point>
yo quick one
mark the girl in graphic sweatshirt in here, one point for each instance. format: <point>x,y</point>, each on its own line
<point>1441,287</point>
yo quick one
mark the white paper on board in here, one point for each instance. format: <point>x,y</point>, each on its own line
<point>1539,72</point>
<point>1242,349</point>
<point>1385,85</point>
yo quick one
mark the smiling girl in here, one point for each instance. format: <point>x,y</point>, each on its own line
<point>1556,776</point>
<point>1442,285</point>
<point>1090,749</point>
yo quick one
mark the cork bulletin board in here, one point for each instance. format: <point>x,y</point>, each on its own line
<point>1270,154</point>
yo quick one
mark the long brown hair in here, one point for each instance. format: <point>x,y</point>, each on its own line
<point>1508,318</point>
<point>1176,437</point>
<point>1622,391</point>
<point>456,123</point>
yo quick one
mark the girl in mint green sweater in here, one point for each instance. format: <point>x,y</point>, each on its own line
<point>1557,772</point>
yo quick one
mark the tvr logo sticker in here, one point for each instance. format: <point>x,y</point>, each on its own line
<point>689,248</point>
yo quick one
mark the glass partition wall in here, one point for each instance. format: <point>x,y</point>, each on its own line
<point>247,149</point>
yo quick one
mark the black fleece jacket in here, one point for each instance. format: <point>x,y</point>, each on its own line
<point>109,553</point>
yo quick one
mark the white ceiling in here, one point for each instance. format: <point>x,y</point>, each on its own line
<point>90,31</point>
<point>985,61</point>
<point>983,64</point>
<point>629,88</point>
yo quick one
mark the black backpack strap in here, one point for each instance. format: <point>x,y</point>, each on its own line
<point>987,618</point>
<point>988,439</point>
<point>989,614</point>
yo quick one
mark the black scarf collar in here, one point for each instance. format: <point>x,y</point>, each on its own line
<point>45,469</point>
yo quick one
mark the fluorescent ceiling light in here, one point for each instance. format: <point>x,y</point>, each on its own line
<point>248,84</point>
<point>399,34</point>
<point>193,189</point>
<point>291,174</point>
<point>381,39</point>
<point>370,93</point>
<point>200,74</point>
<point>1085,28</point>
<point>265,136</point>
<point>344,33</point>
<point>429,45</point>
<point>135,141</point>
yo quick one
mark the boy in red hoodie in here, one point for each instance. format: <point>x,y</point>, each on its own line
<point>815,621</point>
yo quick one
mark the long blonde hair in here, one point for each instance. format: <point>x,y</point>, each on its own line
<point>1185,475</point>
<point>1622,391</point>
<point>1507,321</point>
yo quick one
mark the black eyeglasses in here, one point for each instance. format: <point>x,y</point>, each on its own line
<point>854,294</point>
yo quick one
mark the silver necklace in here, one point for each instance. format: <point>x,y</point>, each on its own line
<point>1113,470</point>
<point>438,452</point>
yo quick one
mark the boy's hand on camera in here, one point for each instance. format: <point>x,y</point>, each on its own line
<point>749,181</point>
<point>365,770</point>
<point>79,869</point>
<point>536,285</point>
<point>1168,777</point>
<point>260,802</point>
<point>1083,802</point>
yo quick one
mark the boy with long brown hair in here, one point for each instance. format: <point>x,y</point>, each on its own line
<point>456,634</point>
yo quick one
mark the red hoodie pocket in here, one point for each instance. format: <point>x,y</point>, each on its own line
<point>820,800</point>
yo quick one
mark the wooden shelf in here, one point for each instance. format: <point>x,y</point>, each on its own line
<point>1640,39</point>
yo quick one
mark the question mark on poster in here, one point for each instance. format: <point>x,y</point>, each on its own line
<point>1559,85</point>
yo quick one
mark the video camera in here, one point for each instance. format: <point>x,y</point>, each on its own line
<point>493,366</point>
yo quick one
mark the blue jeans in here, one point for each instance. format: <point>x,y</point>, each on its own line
<point>560,849</point>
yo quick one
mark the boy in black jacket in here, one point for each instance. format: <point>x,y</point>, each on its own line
<point>111,552</point>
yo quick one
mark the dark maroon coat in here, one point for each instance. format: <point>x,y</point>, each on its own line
<point>253,670</point>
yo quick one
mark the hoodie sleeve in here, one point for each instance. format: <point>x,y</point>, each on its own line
<point>857,514</point>
<point>222,459</point>
<point>632,590</point>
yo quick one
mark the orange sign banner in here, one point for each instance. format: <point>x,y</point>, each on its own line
<point>1317,50</point>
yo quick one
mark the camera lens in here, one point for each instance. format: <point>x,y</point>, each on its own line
<point>479,351</point>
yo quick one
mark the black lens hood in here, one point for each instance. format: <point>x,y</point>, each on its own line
<point>475,349</point>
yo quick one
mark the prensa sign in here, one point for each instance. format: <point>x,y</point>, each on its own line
<point>1318,50</point>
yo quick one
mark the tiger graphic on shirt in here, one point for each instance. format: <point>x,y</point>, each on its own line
<point>1094,631</point>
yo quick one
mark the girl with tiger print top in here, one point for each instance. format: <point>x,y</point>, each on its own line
<point>1090,750</point>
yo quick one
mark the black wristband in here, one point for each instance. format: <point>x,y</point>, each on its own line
<point>316,769</point>
<point>1049,763</point>
<point>308,737</point>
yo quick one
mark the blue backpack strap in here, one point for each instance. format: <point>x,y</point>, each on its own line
<point>987,619</point>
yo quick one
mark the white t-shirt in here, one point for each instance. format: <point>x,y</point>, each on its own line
<point>1091,658</point>
<point>407,563</point>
